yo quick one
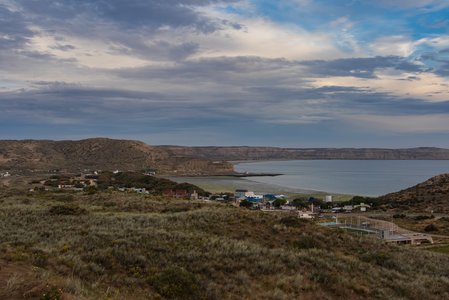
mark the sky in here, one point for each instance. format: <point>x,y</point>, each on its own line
<point>292,73</point>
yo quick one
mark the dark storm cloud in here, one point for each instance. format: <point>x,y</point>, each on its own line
<point>220,69</point>
<point>60,101</point>
<point>442,58</point>
<point>439,60</point>
<point>335,100</point>
<point>276,89</point>
<point>156,50</point>
<point>128,26</point>
<point>248,87</point>
<point>14,32</point>
<point>64,92</point>
<point>443,69</point>
<point>127,14</point>
<point>223,66</point>
<point>359,67</point>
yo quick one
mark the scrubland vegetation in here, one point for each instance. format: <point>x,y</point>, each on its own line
<point>112,245</point>
<point>426,223</point>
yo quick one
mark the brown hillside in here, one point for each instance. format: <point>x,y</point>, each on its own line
<point>100,153</point>
<point>431,195</point>
<point>267,153</point>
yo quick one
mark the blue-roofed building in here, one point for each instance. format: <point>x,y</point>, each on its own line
<point>255,198</point>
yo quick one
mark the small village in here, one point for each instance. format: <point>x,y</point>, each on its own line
<point>348,215</point>
<point>306,208</point>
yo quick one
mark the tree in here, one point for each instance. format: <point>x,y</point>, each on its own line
<point>279,202</point>
<point>299,202</point>
<point>245,203</point>
<point>90,190</point>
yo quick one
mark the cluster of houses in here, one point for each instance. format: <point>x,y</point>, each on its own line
<point>311,207</point>
<point>362,207</point>
<point>5,174</point>
<point>241,197</point>
<point>75,183</point>
<point>273,203</point>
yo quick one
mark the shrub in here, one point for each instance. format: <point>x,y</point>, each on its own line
<point>292,221</point>
<point>422,217</point>
<point>177,283</point>
<point>245,203</point>
<point>39,259</point>
<point>307,242</point>
<point>67,210</point>
<point>430,228</point>
<point>64,198</point>
<point>91,190</point>
<point>379,258</point>
<point>399,216</point>
<point>323,278</point>
<point>51,293</point>
<point>279,202</point>
<point>300,202</point>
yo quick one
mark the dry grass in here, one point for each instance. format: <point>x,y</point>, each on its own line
<point>419,222</point>
<point>128,246</point>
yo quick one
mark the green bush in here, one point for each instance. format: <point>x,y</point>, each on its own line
<point>300,202</point>
<point>246,203</point>
<point>380,258</point>
<point>292,221</point>
<point>323,278</point>
<point>68,210</point>
<point>64,198</point>
<point>279,202</point>
<point>90,190</point>
<point>39,259</point>
<point>423,217</point>
<point>430,228</point>
<point>51,293</point>
<point>399,216</point>
<point>307,242</point>
<point>177,283</point>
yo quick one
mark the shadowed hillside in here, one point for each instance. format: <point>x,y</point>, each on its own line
<point>431,195</point>
<point>267,153</point>
<point>108,154</point>
<point>101,153</point>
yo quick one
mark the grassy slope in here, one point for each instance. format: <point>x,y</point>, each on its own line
<point>126,246</point>
<point>428,196</point>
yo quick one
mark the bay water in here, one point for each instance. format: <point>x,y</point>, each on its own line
<point>357,177</point>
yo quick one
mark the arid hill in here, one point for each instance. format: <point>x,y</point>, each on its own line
<point>431,195</point>
<point>108,154</point>
<point>122,246</point>
<point>101,153</point>
<point>267,153</point>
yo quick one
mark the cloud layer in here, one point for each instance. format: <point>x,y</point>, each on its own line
<point>290,73</point>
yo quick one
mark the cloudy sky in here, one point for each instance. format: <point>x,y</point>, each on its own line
<point>297,73</point>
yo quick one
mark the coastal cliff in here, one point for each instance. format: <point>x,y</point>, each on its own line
<point>104,154</point>
<point>273,153</point>
<point>109,154</point>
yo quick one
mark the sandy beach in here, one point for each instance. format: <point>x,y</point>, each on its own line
<point>217,184</point>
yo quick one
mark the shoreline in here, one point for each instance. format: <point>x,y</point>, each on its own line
<point>247,174</point>
<point>221,184</point>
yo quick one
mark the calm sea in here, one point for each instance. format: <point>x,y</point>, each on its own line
<point>361,177</point>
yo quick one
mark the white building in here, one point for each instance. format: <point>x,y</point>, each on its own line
<point>243,194</point>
